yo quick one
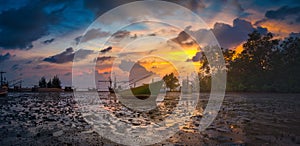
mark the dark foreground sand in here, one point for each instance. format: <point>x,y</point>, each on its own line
<point>244,119</point>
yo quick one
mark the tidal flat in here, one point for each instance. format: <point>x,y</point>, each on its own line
<point>243,119</point>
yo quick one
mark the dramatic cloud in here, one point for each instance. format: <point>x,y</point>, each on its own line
<point>228,36</point>
<point>20,27</point>
<point>105,59</point>
<point>136,70</point>
<point>99,7</point>
<point>291,14</point>
<point>48,41</point>
<point>28,62</point>
<point>40,67</point>
<point>77,40</point>
<point>128,65</point>
<point>106,50</point>
<point>31,21</point>
<point>104,64</point>
<point>194,5</point>
<point>68,74</point>
<point>184,39</point>
<point>82,54</point>
<point>211,11</point>
<point>68,56</point>
<point>181,38</point>
<point>121,34</point>
<point>16,67</point>
<point>282,21</point>
<point>6,5</point>
<point>93,34</point>
<point>4,57</point>
<point>195,58</point>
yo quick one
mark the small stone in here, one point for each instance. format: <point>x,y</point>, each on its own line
<point>136,123</point>
<point>58,133</point>
<point>223,138</point>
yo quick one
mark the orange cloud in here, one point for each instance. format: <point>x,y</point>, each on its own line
<point>279,27</point>
<point>104,70</point>
<point>158,66</point>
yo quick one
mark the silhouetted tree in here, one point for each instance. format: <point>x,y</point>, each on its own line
<point>42,82</point>
<point>56,83</point>
<point>288,71</point>
<point>171,81</point>
<point>213,66</point>
<point>265,64</point>
<point>49,84</point>
<point>252,69</point>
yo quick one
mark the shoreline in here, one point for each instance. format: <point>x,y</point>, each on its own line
<point>226,92</point>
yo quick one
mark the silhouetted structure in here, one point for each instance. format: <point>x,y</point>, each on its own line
<point>4,85</point>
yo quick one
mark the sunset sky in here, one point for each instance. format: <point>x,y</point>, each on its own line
<point>39,38</point>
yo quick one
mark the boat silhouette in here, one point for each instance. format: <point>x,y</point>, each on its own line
<point>141,92</point>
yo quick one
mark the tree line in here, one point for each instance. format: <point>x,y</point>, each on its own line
<point>52,83</point>
<point>266,64</point>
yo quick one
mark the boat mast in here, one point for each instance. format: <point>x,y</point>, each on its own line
<point>2,72</point>
<point>110,82</point>
<point>115,82</point>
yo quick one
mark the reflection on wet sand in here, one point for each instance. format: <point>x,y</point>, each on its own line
<point>36,119</point>
<point>163,109</point>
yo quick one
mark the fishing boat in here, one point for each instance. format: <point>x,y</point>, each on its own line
<point>3,91</point>
<point>142,92</point>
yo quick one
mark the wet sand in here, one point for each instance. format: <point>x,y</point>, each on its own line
<point>244,118</point>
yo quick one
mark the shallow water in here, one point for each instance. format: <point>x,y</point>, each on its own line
<point>244,118</point>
